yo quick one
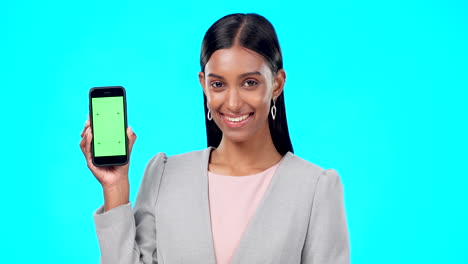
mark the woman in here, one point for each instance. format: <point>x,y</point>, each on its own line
<point>244,199</point>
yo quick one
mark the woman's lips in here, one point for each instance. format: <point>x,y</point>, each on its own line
<point>236,121</point>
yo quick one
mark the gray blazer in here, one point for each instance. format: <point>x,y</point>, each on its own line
<point>301,218</point>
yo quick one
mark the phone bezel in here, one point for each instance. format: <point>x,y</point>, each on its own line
<point>108,91</point>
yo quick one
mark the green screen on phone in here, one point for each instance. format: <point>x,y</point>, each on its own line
<point>108,126</point>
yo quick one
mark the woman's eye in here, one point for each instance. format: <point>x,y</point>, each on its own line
<point>216,84</point>
<point>250,83</point>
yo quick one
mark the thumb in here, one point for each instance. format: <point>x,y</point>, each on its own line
<point>131,139</point>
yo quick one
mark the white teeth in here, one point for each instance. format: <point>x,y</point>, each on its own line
<point>237,119</point>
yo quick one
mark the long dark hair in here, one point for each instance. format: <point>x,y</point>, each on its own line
<point>255,33</point>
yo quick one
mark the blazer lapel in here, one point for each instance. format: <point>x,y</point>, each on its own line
<point>206,203</point>
<point>254,232</point>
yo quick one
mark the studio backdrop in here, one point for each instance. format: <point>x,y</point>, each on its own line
<point>376,90</point>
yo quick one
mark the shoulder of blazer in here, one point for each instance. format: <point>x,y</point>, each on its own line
<point>313,172</point>
<point>188,156</point>
<point>299,164</point>
<point>195,161</point>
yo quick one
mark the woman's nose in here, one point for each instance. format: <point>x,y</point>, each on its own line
<point>234,101</point>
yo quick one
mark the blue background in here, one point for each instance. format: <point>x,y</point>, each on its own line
<point>375,89</point>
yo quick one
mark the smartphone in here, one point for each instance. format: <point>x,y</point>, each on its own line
<point>108,116</point>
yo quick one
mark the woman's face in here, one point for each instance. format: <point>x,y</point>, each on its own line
<point>239,87</point>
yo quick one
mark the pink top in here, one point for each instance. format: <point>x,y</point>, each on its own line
<point>233,201</point>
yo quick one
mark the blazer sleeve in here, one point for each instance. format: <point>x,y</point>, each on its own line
<point>327,239</point>
<point>128,236</point>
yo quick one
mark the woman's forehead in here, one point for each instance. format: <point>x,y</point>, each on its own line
<point>236,60</point>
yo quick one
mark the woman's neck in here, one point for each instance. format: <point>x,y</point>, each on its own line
<point>244,158</point>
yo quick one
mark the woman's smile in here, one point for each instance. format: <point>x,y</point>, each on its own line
<point>236,120</point>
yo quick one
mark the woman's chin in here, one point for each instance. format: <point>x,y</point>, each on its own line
<point>236,136</point>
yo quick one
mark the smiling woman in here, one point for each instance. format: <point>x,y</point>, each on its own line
<point>246,198</point>
<point>252,44</point>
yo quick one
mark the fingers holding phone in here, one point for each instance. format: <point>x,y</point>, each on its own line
<point>131,140</point>
<point>100,172</point>
<point>85,142</point>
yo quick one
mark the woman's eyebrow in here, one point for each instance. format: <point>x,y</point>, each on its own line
<point>249,73</point>
<point>240,76</point>
<point>215,76</point>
